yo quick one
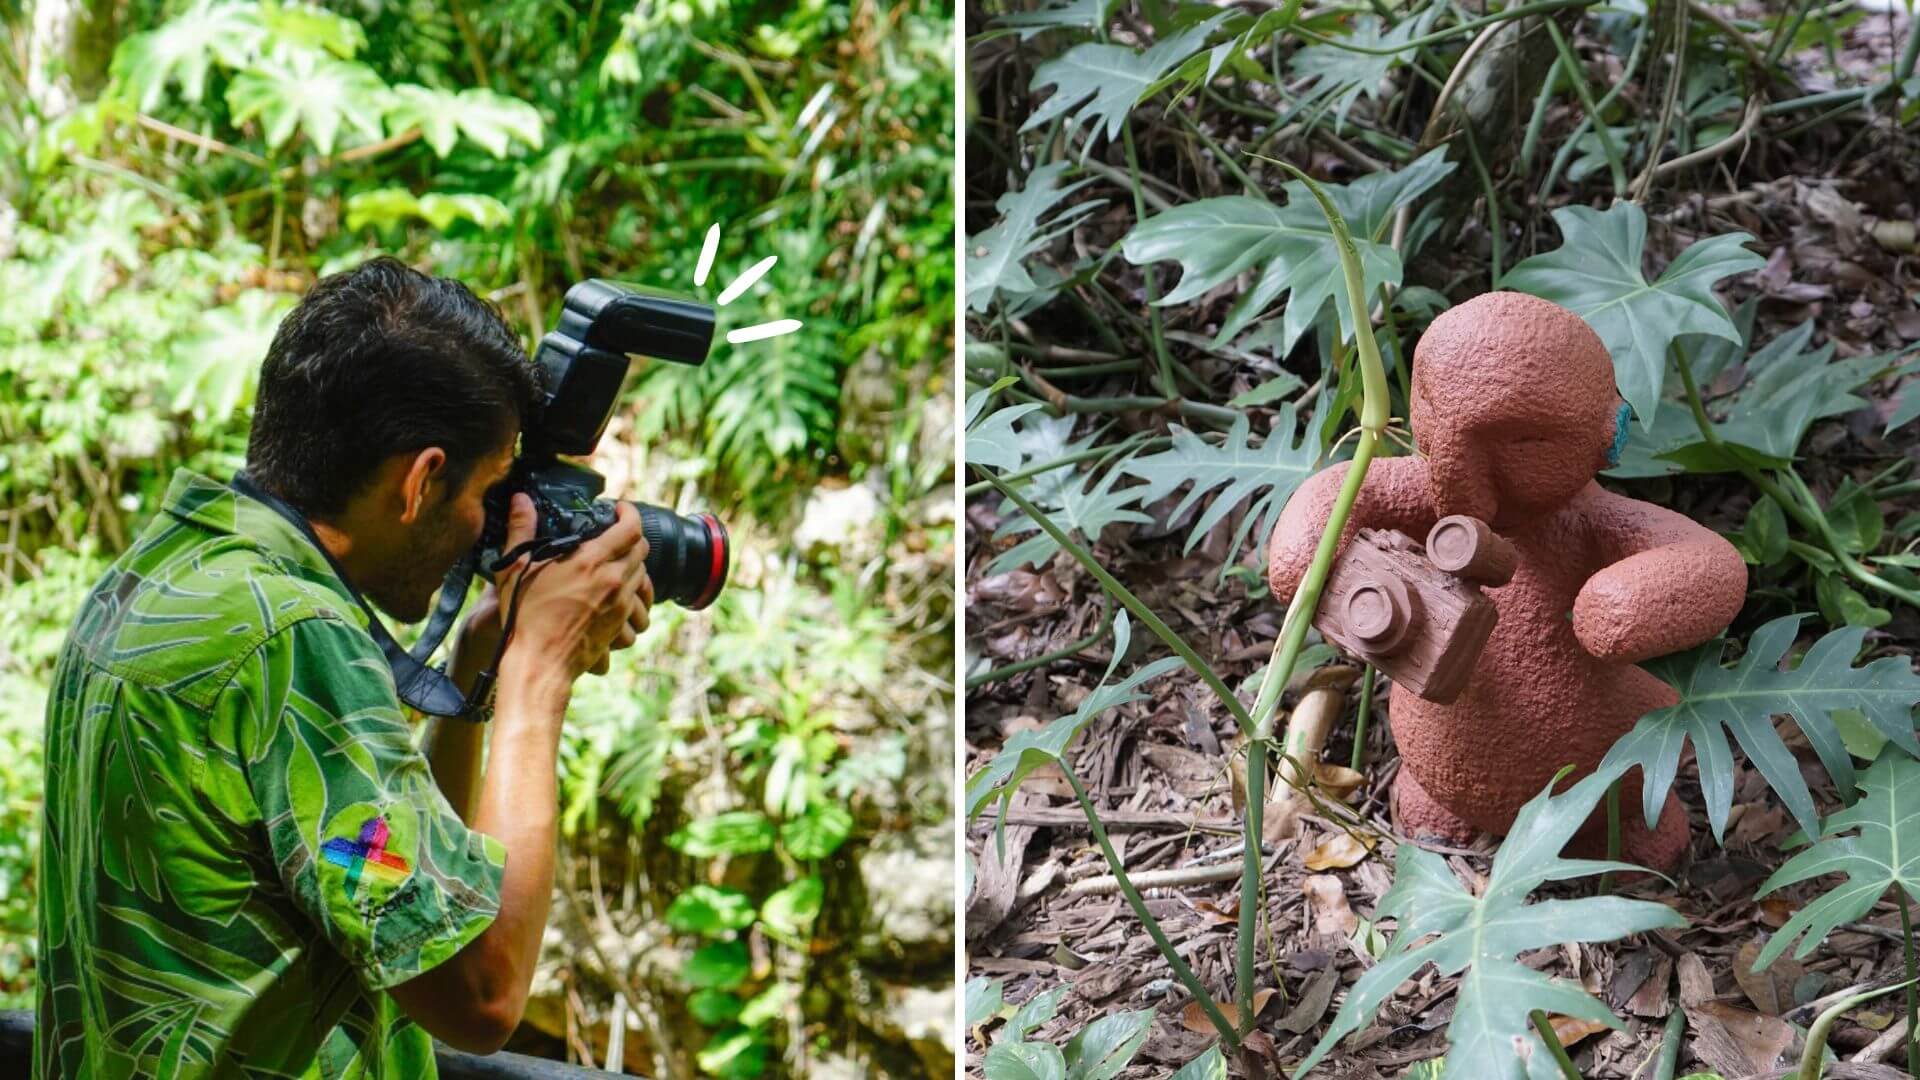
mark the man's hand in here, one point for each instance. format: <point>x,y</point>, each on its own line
<point>574,611</point>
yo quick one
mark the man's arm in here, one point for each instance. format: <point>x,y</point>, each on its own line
<point>455,746</point>
<point>572,613</point>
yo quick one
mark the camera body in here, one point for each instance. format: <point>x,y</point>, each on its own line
<point>1417,613</point>
<point>582,363</point>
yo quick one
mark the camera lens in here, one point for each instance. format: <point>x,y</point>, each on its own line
<point>687,557</point>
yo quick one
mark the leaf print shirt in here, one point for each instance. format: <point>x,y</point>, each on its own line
<point>243,847</point>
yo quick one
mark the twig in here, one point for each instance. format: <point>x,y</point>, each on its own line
<point>1720,149</point>
<point>1668,107</point>
<point>201,141</point>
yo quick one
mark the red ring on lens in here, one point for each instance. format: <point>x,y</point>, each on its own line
<point>717,571</point>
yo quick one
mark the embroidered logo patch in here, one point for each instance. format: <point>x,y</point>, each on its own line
<point>367,858</point>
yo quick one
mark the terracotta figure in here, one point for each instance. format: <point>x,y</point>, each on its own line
<point>1514,411</point>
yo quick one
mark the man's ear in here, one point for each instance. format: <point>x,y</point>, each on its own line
<point>426,474</point>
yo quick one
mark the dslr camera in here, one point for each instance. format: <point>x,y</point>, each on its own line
<point>582,363</point>
<point>1414,612</point>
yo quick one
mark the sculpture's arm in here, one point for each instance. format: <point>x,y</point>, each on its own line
<point>1396,495</point>
<point>1670,583</point>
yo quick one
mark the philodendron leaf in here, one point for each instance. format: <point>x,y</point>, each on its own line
<point>183,49</point>
<point>996,258</point>
<point>993,443</point>
<point>1104,1047</point>
<point>1481,937</point>
<point>1787,387</point>
<point>1345,75</point>
<point>1883,855</point>
<point>1745,698</point>
<point>1103,83</point>
<point>1024,1061</point>
<point>984,1001</point>
<point>1029,750</point>
<point>1596,274</point>
<point>1215,240</point>
<point>1059,14</point>
<point>491,120</point>
<point>1084,508</point>
<point>315,94</point>
<point>1208,1066</point>
<point>1268,474</point>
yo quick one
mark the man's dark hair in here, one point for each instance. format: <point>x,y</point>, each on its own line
<point>376,361</point>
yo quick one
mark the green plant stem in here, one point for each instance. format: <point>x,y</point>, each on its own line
<point>1613,834</point>
<point>1817,1032</point>
<point>1913,1004</point>
<point>1131,602</point>
<point>1151,286</point>
<point>1668,1062</point>
<point>1180,969</point>
<point>1359,759</point>
<point>1785,31</point>
<point>1544,1028</point>
<point>1293,629</point>
<point>1627,73</point>
<point>1615,167</point>
<point>1250,883</point>
<point>1537,122</point>
<point>1800,504</point>
<point>983,486</point>
<point>1443,35</point>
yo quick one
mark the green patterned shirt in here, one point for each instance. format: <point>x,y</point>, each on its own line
<point>243,846</point>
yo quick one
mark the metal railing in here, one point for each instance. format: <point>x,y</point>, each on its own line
<point>16,1059</point>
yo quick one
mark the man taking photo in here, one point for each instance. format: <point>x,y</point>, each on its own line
<point>248,865</point>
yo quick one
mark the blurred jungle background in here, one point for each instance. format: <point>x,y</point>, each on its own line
<point>757,861</point>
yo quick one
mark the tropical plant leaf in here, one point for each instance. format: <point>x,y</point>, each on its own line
<point>710,911</point>
<point>217,364</point>
<point>993,443</point>
<point>1744,699</point>
<point>1084,508</point>
<point>493,121</point>
<point>1787,387</point>
<point>1267,474</point>
<point>1102,83</point>
<point>1208,1066</point>
<point>817,833</point>
<point>996,258</point>
<point>1344,76</point>
<point>385,207</point>
<point>792,909</point>
<point>1882,856</point>
<point>318,95</point>
<point>1481,937</point>
<point>1058,15</point>
<point>1024,1061</point>
<point>1215,240</point>
<point>1029,750</point>
<point>738,832</point>
<point>185,47</point>
<point>984,1000</point>
<point>1035,1011</point>
<point>1103,1048</point>
<point>1596,273</point>
<point>718,965</point>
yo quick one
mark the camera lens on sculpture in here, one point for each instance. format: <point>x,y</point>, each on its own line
<point>687,557</point>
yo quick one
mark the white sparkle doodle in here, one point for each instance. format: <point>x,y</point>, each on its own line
<point>737,288</point>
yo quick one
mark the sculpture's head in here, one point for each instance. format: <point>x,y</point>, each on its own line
<point>1513,405</point>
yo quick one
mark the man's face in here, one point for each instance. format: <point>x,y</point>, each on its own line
<point>448,526</point>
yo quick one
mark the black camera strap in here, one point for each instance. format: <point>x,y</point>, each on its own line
<point>416,683</point>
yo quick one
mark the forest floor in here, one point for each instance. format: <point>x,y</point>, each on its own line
<point>1833,213</point>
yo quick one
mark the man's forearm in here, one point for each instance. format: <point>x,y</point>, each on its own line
<point>457,746</point>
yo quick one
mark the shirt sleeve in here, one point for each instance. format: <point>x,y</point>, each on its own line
<point>365,844</point>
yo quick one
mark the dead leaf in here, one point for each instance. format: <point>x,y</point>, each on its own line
<point>1328,896</point>
<point>1337,781</point>
<point>1652,998</point>
<point>1571,1029</point>
<point>1736,1041</point>
<point>1771,991</point>
<point>1214,915</point>
<point>1312,1006</point>
<point>1338,852</point>
<point>1194,1018</point>
<point>1696,985</point>
<point>1776,910</point>
<point>1895,236</point>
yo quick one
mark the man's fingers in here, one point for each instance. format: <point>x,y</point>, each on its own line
<point>521,520</point>
<point>625,638</point>
<point>600,668</point>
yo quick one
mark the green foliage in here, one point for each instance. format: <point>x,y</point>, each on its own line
<point>1873,861</point>
<point>1343,76</point>
<point>1099,1051</point>
<point>1102,83</point>
<point>1080,508</point>
<point>1268,474</point>
<point>1480,937</point>
<point>1215,240</point>
<point>1596,273</point>
<point>1744,699</point>
<point>1211,1065</point>
<point>996,258</point>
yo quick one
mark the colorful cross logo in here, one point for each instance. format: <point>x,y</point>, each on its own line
<point>367,855</point>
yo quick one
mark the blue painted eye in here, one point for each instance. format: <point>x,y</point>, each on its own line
<point>1622,424</point>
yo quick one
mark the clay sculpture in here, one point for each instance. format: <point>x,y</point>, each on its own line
<point>1514,411</point>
